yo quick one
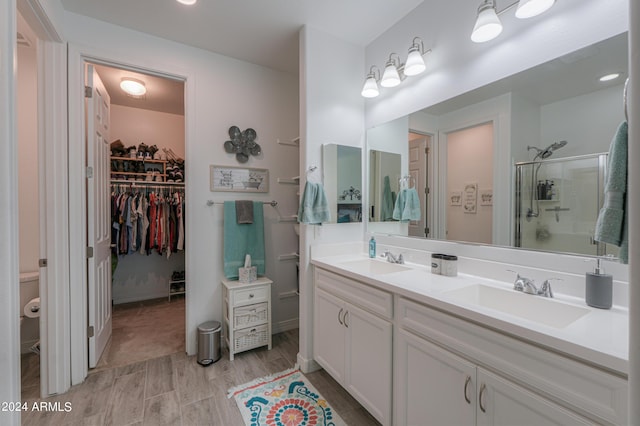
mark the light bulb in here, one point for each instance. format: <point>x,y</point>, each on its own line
<point>415,64</point>
<point>531,8</point>
<point>133,87</point>
<point>370,89</point>
<point>488,25</point>
<point>390,78</point>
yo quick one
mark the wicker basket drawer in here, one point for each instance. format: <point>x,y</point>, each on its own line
<point>250,338</point>
<point>247,316</point>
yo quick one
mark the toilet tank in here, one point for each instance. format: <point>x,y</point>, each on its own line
<point>29,287</point>
<point>29,327</point>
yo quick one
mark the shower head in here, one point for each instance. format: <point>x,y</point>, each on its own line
<point>546,153</point>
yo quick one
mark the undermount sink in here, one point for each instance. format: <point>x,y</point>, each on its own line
<point>372,266</point>
<point>533,308</point>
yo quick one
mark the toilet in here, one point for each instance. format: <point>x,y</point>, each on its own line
<point>29,327</point>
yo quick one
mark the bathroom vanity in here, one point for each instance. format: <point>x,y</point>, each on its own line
<point>416,348</point>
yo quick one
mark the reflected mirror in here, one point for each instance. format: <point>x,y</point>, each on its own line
<point>342,170</point>
<point>519,162</point>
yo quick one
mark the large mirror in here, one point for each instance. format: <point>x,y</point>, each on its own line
<point>342,171</point>
<point>519,162</point>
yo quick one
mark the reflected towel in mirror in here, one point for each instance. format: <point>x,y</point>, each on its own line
<point>407,205</point>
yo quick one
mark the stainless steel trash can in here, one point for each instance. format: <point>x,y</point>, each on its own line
<point>209,342</point>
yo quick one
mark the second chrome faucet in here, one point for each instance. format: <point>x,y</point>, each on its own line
<point>527,285</point>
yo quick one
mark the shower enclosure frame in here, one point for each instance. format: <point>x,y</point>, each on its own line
<point>520,181</point>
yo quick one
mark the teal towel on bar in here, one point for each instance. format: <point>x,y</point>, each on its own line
<point>407,205</point>
<point>386,210</point>
<point>611,226</point>
<point>243,239</point>
<point>314,208</point>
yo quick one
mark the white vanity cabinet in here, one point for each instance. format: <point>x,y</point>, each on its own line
<point>452,371</point>
<point>353,339</point>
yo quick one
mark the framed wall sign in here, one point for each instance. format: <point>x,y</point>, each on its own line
<point>238,179</point>
<point>455,198</point>
<point>470,197</point>
<point>486,197</point>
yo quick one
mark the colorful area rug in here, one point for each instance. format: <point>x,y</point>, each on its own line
<point>283,399</point>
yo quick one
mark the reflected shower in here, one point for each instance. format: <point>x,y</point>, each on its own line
<point>541,154</point>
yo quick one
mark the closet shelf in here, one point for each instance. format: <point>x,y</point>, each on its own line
<point>292,218</point>
<point>135,183</point>
<point>140,160</point>
<point>289,256</point>
<point>291,181</point>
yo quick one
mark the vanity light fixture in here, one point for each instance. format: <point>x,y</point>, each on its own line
<point>391,76</point>
<point>133,87</point>
<point>187,2</point>
<point>370,89</point>
<point>488,25</point>
<point>609,77</point>
<point>395,71</point>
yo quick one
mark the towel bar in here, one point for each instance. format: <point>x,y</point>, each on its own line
<point>272,203</point>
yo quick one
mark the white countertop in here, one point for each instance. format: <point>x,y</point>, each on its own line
<point>600,337</point>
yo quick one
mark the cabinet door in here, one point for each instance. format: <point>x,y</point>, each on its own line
<point>432,385</point>
<point>329,334</point>
<point>501,402</point>
<point>369,362</point>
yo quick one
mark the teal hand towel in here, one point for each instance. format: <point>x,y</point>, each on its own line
<point>386,209</point>
<point>611,226</point>
<point>314,208</point>
<point>407,206</point>
<point>243,239</point>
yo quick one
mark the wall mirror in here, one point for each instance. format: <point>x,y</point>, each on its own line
<point>342,170</point>
<point>519,162</point>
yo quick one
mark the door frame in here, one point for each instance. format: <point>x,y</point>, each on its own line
<point>429,159</point>
<point>77,57</point>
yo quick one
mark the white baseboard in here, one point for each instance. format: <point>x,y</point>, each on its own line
<point>307,365</point>
<point>141,297</point>
<point>282,326</point>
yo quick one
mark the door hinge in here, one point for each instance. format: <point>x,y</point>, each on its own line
<point>426,231</point>
<point>88,92</point>
<point>89,172</point>
<point>42,263</point>
<point>89,252</point>
<point>90,331</point>
<point>426,151</point>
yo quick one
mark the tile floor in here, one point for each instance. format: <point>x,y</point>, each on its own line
<point>173,389</point>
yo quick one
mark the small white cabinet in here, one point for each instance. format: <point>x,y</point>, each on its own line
<point>352,344</point>
<point>247,314</point>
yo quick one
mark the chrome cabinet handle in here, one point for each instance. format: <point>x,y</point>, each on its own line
<point>339,319</point>
<point>346,324</point>
<point>466,387</point>
<point>482,389</point>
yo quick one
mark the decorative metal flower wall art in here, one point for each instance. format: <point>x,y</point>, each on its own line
<point>243,144</point>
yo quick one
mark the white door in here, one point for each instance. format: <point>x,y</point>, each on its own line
<point>98,216</point>
<point>433,386</point>
<point>369,362</point>
<point>418,170</point>
<point>501,402</point>
<point>329,334</point>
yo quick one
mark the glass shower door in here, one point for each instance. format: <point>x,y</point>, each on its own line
<point>557,204</point>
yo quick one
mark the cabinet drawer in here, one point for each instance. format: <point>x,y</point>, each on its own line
<point>246,316</point>
<point>251,295</point>
<point>368,297</point>
<point>250,338</point>
<point>587,389</point>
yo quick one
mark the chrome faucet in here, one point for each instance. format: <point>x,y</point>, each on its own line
<point>391,258</point>
<point>527,285</point>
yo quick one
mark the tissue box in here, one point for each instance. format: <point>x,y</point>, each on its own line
<point>247,275</point>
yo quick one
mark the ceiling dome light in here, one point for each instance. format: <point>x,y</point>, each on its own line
<point>133,87</point>
<point>488,25</point>
<point>415,64</point>
<point>610,77</point>
<point>187,2</point>
<point>530,8</point>
<point>390,77</point>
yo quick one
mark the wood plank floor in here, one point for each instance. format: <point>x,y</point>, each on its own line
<point>175,390</point>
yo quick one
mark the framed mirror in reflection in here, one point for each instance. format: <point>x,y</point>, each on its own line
<point>342,170</point>
<point>520,162</point>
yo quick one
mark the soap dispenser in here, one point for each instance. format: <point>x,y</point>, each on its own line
<point>372,247</point>
<point>599,288</point>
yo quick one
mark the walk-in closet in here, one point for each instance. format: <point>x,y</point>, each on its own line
<point>145,125</point>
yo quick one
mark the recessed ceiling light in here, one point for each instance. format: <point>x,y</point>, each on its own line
<point>132,86</point>
<point>610,77</point>
<point>187,2</point>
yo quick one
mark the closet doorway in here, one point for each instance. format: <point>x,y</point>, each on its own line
<point>135,215</point>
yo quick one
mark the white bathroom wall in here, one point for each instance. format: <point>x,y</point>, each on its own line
<point>135,125</point>
<point>586,122</point>
<point>458,65</point>
<point>28,202</point>
<point>331,111</point>
<point>221,92</point>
